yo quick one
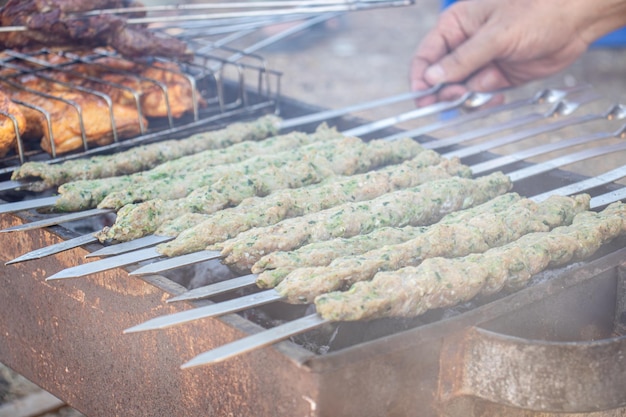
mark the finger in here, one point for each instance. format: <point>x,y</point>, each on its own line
<point>416,76</point>
<point>449,32</point>
<point>490,78</point>
<point>466,59</point>
<point>448,93</point>
<point>452,92</point>
<point>437,43</point>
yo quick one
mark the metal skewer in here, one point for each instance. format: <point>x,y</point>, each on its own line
<point>214,310</point>
<point>608,198</point>
<point>257,341</point>
<point>544,96</point>
<point>303,10</point>
<point>216,288</point>
<point>176,262</point>
<point>54,249</point>
<point>222,5</point>
<point>543,149</point>
<point>28,204</point>
<point>52,221</point>
<point>562,108</point>
<point>129,246</point>
<point>10,185</point>
<point>106,264</point>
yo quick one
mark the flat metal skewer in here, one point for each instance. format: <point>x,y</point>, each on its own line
<point>220,5</point>
<point>214,310</point>
<point>519,156</point>
<point>10,185</point>
<point>544,96</point>
<point>54,249</point>
<point>257,341</point>
<point>129,246</point>
<point>561,108</point>
<point>587,184</point>
<point>608,198</point>
<point>216,288</point>
<point>28,204</point>
<point>298,10</point>
<point>105,264</point>
<point>174,263</point>
<point>52,221</point>
<point>470,100</point>
<point>564,160</point>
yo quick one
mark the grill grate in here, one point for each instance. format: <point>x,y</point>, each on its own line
<point>204,85</point>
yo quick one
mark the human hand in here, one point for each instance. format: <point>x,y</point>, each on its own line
<point>486,45</point>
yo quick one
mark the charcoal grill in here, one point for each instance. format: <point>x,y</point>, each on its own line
<point>556,347</point>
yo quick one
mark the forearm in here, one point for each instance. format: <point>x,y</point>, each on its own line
<point>599,17</point>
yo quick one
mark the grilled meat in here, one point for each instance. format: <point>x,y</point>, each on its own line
<point>78,195</point>
<point>175,178</point>
<point>258,212</point>
<point>259,177</point>
<point>442,282</point>
<point>58,23</point>
<point>163,89</point>
<point>175,99</point>
<point>149,156</point>
<point>274,267</point>
<point>444,239</point>
<point>8,129</point>
<point>420,205</point>
<point>346,156</point>
<point>73,112</point>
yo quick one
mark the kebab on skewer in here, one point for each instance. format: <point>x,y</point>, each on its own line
<point>444,282</point>
<point>176,178</point>
<point>336,150</point>
<point>421,205</point>
<point>195,232</point>
<point>450,238</point>
<point>42,175</point>
<point>275,266</point>
<point>312,164</point>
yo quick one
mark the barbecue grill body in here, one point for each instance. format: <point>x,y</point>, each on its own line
<point>67,337</point>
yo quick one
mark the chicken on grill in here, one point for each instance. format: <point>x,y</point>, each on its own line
<point>58,22</point>
<point>8,133</point>
<point>67,109</point>
<point>156,85</point>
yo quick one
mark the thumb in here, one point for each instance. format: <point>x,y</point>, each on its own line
<point>468,58</point>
